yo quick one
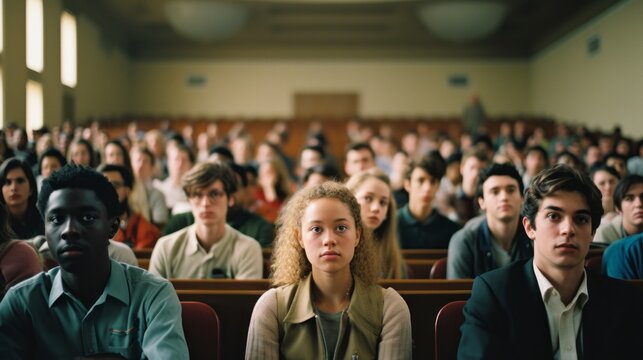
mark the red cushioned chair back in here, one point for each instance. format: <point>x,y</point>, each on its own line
<point>201,328</point>
<point>439,269</point>
<point>447,330</point>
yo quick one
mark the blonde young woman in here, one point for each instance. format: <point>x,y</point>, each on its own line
<point>328,304</point>
<point>378,210</point>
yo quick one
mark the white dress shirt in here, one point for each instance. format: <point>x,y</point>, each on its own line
<point>564,320</point>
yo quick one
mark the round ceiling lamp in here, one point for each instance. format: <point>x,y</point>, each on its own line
<point>205,20</point>
<point>463,21</point>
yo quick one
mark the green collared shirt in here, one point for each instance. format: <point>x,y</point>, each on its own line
<point>138,316</point>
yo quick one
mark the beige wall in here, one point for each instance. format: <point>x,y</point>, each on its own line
<point>601,90</point>
<point>102,74</point>
<point>266,88</point>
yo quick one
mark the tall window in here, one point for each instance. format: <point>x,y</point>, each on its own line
<point>68,49</point>
<point>35,48</point>
<point>35,106</point>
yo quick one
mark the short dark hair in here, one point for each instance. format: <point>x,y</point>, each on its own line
<point>222,151</point>
<point>455,158</point>
<point>537,148</point>
<point>316,148</point>
<point>204,174</point>
<point>603,167</point>
<point>360,146</point>
<point>569,154</point>
<point>432,163</point>
<point>623,187</point>
<point>562,178</point>
<point>127,176</point>
<point>483,139</point>
<point>616,155</point>
<point>51,152</point>
<point>242,172</point>
<point>323,169</point>
<point>496,169</point>
<point>15,163</point>
<point>72,176</point>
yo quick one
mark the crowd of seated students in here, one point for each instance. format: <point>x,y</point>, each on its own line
<point>215,213</point>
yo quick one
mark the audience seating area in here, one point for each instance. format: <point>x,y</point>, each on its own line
<point>234,300</point>
<point>298,128</point>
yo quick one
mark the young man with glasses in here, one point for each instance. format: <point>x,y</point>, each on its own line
<point>208,248</point>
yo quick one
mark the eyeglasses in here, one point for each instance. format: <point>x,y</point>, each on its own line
<point>212,195</point>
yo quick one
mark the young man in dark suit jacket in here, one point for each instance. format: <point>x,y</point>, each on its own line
<point>549,307</point>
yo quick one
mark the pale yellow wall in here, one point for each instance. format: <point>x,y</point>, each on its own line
<point>266,88</point>
<point>602,90</point>
<point>102,74</point>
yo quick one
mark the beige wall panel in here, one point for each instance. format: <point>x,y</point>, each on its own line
<point>600,90</point>
<point>266,88</point>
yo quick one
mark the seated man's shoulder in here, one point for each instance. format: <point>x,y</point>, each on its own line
<point>623,259</point>
<point>625,245</point>
<point>243,239</point>
<point>500,277</point>
<point>141,277</point>
<point>621,293</point>
<point>608,231</point>
<point>29,289</point>
<point>446,224</point>
<point>173,239</point>
<point>178,222</point>
<point>469,232</point>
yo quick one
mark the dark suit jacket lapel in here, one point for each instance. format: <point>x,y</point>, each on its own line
<point>595,317</point>
<point>533,325</point>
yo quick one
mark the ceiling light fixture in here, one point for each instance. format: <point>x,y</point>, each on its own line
<point>205,20</point>
<point>462,21</point>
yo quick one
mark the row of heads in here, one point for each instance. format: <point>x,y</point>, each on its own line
<point>547,182</point>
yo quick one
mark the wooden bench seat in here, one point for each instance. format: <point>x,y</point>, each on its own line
<point>235,309</point>
<point>264,284</point>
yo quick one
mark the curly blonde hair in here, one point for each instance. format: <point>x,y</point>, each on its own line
<point>289,261</point>
<point>385,236</point>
